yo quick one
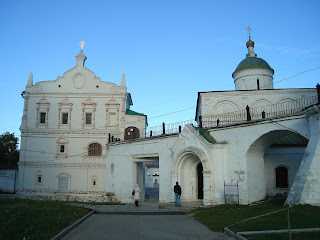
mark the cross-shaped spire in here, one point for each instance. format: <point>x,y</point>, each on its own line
<point>82,43</point>
<point>249,30</point>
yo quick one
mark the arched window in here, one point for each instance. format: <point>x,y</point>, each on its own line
<point>95,149</point>
<point>62,148</point>
<point>131,133</point>
<point>282,177</point>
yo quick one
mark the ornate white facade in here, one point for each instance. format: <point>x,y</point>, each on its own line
<point>65,127</point>
<point>265,140</point>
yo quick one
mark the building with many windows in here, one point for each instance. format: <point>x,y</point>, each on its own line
<point>81,141</point>
<point>65,127</point>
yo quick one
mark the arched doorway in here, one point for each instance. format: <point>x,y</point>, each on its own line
<point>191,169</point>
<point>200,180</point>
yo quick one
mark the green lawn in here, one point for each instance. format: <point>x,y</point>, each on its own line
<point>302,216</point>
<point>218,217</point>
<point>29,219</point>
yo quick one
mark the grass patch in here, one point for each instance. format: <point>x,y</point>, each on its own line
<point>30,219</point>
<point>301,216</point>
<point>285,236</point>
<point>218,217</point>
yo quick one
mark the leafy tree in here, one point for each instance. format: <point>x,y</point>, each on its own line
<point>9,154</point>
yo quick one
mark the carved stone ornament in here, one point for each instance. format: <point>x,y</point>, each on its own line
<point>194,151</point>
<point>65,101</point>
<point>37,88</point>
<point>43,101</point>
<point>114,90</point>
<point>112,102</point>
<point>79,80</point>
<point>89,101</point>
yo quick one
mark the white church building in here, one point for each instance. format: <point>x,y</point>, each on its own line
<point>81,141</point>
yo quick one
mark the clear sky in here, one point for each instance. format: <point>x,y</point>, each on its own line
<point>169,49</point>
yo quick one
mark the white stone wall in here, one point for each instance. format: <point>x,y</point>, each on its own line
<point>213,103</point>
<point>77,93</point>
<point>7,181</point>
<point>120,180</point>
<point>246,79</point>
<point>244,157</point>
<point>288,157</point>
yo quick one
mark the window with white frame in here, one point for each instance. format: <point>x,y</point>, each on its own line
<point>64,109</point>
<point>94,181</point>
<point>89,111</point>
<point>65,118</point>
<point>112,119</point>
<point>112,110</point>
<point>43,107</point>
<point>39,178</point>
<point>62,147</point>
<point>63,182</point>
<point>43,117</point>
<point>88,118</point>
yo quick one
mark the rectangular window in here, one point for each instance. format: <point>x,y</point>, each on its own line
<point>42,117</point>
<point>63,185</point>
<point>39,179</point>
<point>88,118</point>
<point>112,119</point>
<point>65,118</point>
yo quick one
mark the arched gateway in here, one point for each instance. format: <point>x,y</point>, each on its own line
<point>192,170</point>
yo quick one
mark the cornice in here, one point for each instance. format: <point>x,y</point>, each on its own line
<point>61,165</point>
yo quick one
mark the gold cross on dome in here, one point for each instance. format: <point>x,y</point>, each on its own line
<point>249,30</point>
<point>82,43</point>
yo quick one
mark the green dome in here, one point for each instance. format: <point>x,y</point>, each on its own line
<point>252,62</point>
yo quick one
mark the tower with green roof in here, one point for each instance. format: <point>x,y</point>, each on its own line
<point>253,73</point>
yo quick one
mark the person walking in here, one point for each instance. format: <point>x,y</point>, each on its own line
<point>136,195</point>
<point>177,193</point>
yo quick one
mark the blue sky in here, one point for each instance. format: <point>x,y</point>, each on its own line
<point>169,50</point>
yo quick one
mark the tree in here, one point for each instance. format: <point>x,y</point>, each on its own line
<point>9,154</point>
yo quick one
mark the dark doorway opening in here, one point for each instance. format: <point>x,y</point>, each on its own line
<point>282,177</point>
<point>200,180</point>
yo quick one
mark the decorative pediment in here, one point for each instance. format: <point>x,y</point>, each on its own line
<point>62,140</point>
<point>43,101</point>
<point>112,102</point>
<point>189,137</point>
<point>64,175</point>
<point>89,101</point>
<point>65,102</point>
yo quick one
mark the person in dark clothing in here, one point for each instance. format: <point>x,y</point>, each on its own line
<point>177,192</point>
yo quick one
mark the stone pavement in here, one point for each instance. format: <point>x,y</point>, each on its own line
<point>149,221</point>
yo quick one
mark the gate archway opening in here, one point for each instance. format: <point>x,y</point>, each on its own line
<point>191,169</point>
<point>279,148</point>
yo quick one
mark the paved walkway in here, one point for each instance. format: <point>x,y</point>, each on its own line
<point>149,221</point>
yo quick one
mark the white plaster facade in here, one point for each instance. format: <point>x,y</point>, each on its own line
<point>7,181</point>
<point>236,153</point>
<point>65,127</point>
<point>202,160</point>
<point>239,154</point>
